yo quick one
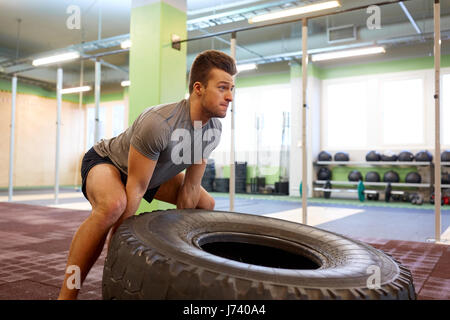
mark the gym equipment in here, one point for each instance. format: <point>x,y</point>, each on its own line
<point>372,176</point>
<point>222,185</point>
<point>417,198</point>
<point>327,194</point>
<point>373,196</point>
<point>241,177</point>
<point>282,187</point>
<point>209,176</point>
<point>361,190</point>
<point>257,184</point>
<point>445,156</point>
<point>388,193</point>
<point>445,178</point>
<point>324,156</point>
<point>432,199</point>
<point>423,156</point>
<point>413,177</point>
<point>341,156</point>
<point>405,156</point>
<point>373,156</point>
<point>391,176</point>
<point>324,174</point>
<point>406,197</point>
<point>204,255</point>
<point>388,156</point>
<point>355,175</point>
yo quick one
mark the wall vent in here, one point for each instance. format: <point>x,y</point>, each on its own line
<point>341,34</point>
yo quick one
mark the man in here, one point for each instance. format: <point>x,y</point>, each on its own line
<point>144,161</point>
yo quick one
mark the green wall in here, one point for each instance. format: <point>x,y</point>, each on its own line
<point>5,85</point>
<point>381,67</point>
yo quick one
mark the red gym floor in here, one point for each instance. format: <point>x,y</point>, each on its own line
<point>34,242</point>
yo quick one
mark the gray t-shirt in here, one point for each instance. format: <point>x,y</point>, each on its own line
<point>164,133</point>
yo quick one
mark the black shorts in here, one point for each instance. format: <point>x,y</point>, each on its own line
<point>92,158</point>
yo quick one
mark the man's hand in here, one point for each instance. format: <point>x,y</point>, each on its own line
<point>189,194</point>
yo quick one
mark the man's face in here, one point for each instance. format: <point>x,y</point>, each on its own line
<point>218,93</point>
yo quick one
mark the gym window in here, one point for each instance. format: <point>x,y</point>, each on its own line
<point>266,102</point>
<point>402,103</point>
<point>345,108</point>
<point>112,122</point>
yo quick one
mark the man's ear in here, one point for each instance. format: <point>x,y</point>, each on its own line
<point>198,88</point>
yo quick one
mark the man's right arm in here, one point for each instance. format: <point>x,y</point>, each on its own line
<point>140,171</point>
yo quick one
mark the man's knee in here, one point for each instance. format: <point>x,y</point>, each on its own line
<point>111,210</point>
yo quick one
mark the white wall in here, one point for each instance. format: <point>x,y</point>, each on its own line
<point>312,131</point>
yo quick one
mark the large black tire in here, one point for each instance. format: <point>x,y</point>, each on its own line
<point>165,255</point>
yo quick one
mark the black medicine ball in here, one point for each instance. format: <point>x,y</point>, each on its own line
<point>355,175</point>
<point>413,177</point>
<point>391,176</point>
<point>389,156</point>
<point>405,156</point>
<point>373,156</point>
<point>445,178</point>
<point>324,174</point>
<point>423,156</point>
<point>372,176</point>
<point>324,156</point>
<point>445,156</point>
<point>341,156</point>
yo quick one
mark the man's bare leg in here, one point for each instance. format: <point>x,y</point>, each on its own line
<point>107,196</point>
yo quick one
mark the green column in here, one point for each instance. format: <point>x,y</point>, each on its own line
<point>157,71</point>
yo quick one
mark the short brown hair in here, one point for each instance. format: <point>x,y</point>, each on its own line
<point>206,61</point>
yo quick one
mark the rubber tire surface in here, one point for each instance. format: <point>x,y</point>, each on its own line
<point>157,256</point>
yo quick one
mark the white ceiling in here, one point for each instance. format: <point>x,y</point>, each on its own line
<point>42,29</point>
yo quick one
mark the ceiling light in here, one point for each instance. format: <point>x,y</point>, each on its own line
<point>125,83</point>
<point>295,11</point>
<point>246,67</point>
<point>75,90</point>
<point>56,58</point>
<point>126,44</point>
<point>347,53</point>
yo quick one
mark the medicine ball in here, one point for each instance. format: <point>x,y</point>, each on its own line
<point>445,178</point>
<point>372,176</point>
<point>405,156</point>
<point>391,176</point>
<point>341,156</point>
<point>423,156</point>
<point>413,177</point>
<point>445,156</point>
<point>388,156</point>
<point>372,156</point>
<point>324,174</point>
<point>324,156</point>
<point>355,175</point>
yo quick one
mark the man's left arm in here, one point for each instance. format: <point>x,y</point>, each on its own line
<point>189,194</point>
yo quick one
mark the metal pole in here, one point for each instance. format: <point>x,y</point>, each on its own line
<point>437,133</point>
<point>11,138</point>
<point>80,104</point>
<point>58,126</point>
<point>304,106</point>
<point>232,155</point>
<point>97,101</point>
